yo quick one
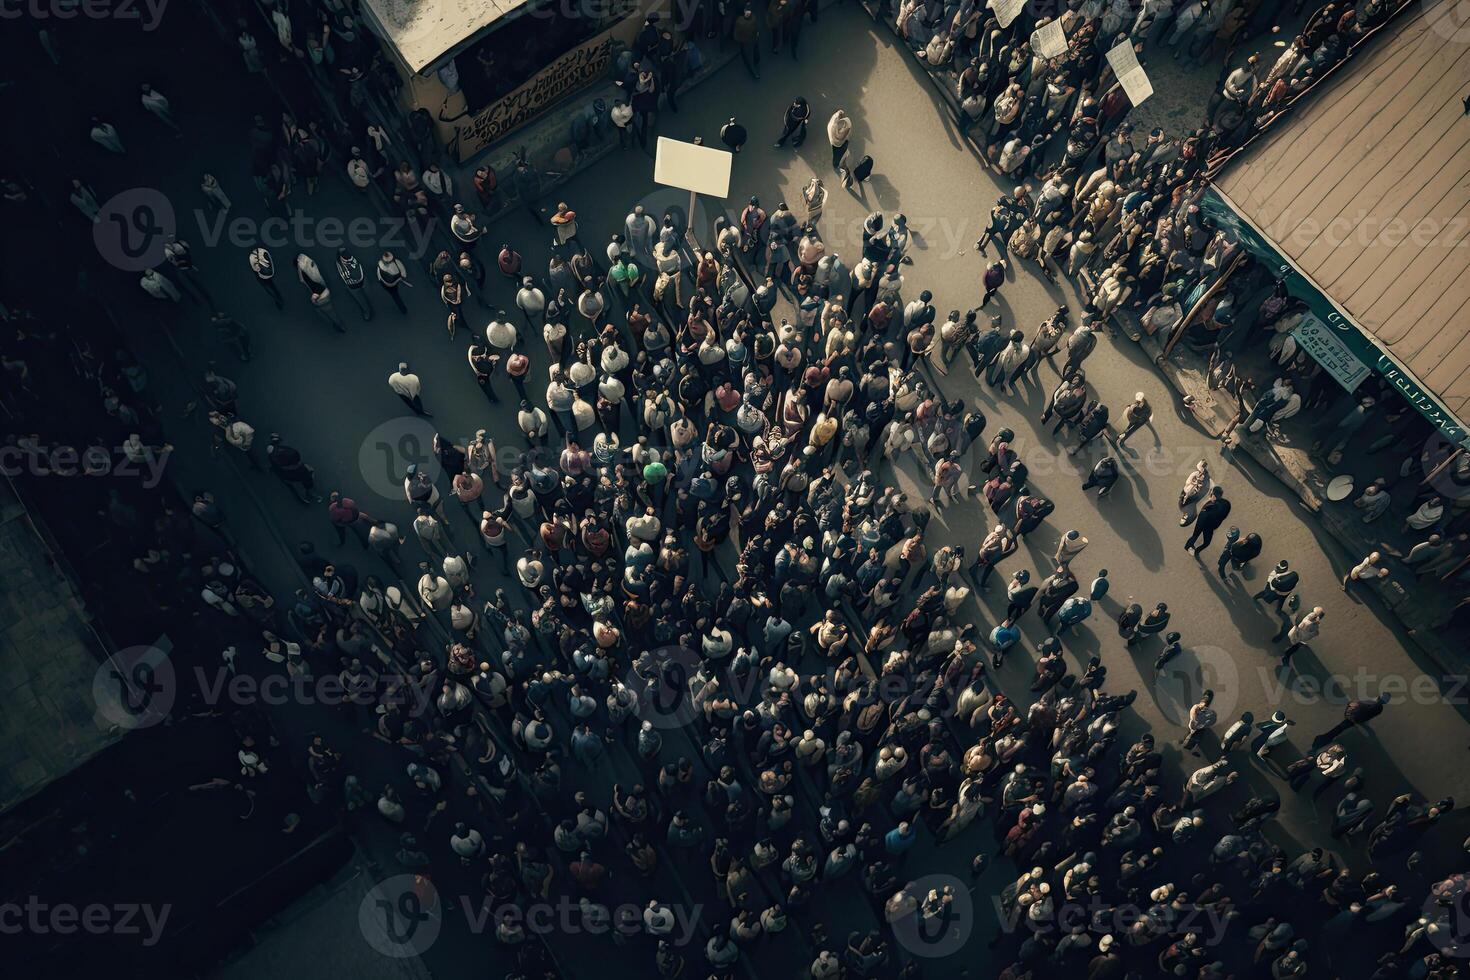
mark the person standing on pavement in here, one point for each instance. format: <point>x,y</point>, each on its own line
<point>391,275</point>
<point>839,131</point>
<point>158,105</point>
<point>349,270</point>
<point>406,386</point>
<point>1068,548</point>
<point>733,135</point>
<point>1279,584</point>
<point>1305,631</point>
<point>288,466</point>
<point>265,274</point>
<point>1137,415</point>
<point>1368,570</point>
<point>994,278</point>
<point>1079,346</point>
<point>311,277</point>
<point>346,516</point>
<point>1357,713</point>
<point>1211,515</point>
<point>462,225</point>
<point>747,34</point>
<point>793,124</point>
<point>1202,718</point>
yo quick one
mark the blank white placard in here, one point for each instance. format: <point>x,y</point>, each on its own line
<point>701,169</point>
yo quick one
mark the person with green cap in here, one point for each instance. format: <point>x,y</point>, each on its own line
<point>655,479</point>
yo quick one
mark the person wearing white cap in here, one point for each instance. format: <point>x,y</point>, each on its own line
<point>1137,415</point>
<point>1273,732</point>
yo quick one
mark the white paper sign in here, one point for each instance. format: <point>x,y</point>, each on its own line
<point>1006,11</point>
<point>1130,73</point>
<point>1049,41</point>
<point>702,169</point>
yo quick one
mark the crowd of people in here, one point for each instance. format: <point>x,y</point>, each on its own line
<point>816,693</point>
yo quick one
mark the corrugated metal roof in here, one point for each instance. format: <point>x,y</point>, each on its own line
<point>1367,190</point>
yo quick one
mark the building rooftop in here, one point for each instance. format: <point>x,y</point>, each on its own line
<point>421,32</point>
<point>1366,189</point>
<point>50,724</point>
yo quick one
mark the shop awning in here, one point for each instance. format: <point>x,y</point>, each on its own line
<point>1366,192</point>
<point>422,32</point>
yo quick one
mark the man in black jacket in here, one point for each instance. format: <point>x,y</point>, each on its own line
<point>1211,515</point>
<point>1357,712</point>
<point>1279,584</point>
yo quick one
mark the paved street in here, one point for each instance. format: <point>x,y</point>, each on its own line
<point>327,394</point>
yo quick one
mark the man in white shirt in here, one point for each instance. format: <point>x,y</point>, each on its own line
<point>155,103</point>
<point>407,387</point>
<point>158,286</point>
<point>1367,571</point>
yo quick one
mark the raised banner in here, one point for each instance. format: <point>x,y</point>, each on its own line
<point>576,69</point>
<point>1130,73</point>
<point>1006,11</point>
<point>1049,40</point>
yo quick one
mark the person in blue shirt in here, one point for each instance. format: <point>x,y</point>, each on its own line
<point>1074,611</point>
<point>900,838</point>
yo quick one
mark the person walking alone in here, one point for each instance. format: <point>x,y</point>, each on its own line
<point>1356,713</point>
<point>265,274</point>
<point>793,124</point>
<point>1279,584</point>
<point>391,275</point>
<point>1212,514</point>
<point>839,131</point>
<point>1137,415</point>
<point>406,386</point>
<point>1367,570</point>
<point>1304,632</point>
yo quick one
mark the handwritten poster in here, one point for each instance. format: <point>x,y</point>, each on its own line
<point>1327,349</point>
<point>1130,73</point>
<point>1006,11</point>
<point>1049,40</point>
